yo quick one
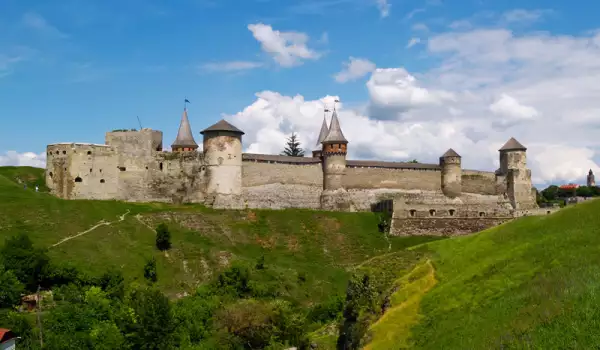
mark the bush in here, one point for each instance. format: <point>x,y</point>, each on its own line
<point>163,237</point>
<point>27,262</point>
<point>11,288</point>
<point>150,270</point>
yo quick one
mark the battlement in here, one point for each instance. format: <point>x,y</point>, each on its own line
<point>132,166</point>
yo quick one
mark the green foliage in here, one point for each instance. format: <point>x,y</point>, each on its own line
<point>122,130</point>
<point>154,324</point>
<point>11,288</point>
<point>359,310</point>
<point>150,270</point>
<point>293,148</point>
<point>328,311</point>
<point>163,237</point>
<point>413,161</point>
<point>385,222</point>
<point>26,262</point>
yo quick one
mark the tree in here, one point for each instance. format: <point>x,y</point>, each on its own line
<point>27,262</point>
<point>360,306</point>
<point>150,270</point>
<point>413,161</point>
<point>550,193</point>
<point>292,148</point>
<point>154,323</point>
<point>163,237</point>
<point>10,293</point>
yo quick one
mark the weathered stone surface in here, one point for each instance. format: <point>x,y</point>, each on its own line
<point>442,226</point>
<point>424,198</point>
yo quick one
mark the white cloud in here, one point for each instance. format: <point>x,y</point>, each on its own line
<point>394,90</point>
<point>412,42</point>
<point>384,8</point>
<point>354,69</point>
<point>37,22</point>
<point>521,15</point>
<point>288,49</point>
<point>232,66</point>
<point>511,112</point>
<point>23,159</point>
<point>489,85</point>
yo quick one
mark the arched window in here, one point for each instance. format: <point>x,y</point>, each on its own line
<point>78,179</point>
<point>89,153</point>
<point>102,181</point>
<point>481,214</point>
<point>451,212</point>
<point>51,174</point>
<point>412,212</point>
<point>431,212</point>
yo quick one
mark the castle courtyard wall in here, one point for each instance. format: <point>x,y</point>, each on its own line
<point>278,182</point>
<point>480,182</point>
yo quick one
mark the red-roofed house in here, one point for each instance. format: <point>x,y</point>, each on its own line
<point>569,187</point>
<point>7,339</point>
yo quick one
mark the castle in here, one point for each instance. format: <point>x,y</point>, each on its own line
<point>424,198</point>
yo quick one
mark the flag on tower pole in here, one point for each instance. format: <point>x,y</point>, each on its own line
<point>187,101</point>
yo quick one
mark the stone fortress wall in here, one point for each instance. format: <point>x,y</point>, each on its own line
<point>423,198</point>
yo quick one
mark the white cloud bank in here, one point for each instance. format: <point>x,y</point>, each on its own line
<point>355,68</point>
<point>490,85</point>
<point>23,159</point>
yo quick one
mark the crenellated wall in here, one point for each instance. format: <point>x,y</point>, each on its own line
<point>438,199</point>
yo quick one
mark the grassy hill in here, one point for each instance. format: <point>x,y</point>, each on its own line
<point>321,248</point>
<point>530,283</point>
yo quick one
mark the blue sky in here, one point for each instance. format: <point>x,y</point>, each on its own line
<point>72,70</point>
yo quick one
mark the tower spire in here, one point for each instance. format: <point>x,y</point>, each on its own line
<point>324,129</point>
<point>335,134</point>
<point>185,139</point>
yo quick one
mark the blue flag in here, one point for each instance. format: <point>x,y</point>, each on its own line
<point>187,101</point>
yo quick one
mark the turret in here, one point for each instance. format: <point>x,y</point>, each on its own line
<point>185,140</point>
<point>450,162</point>
<point>591,179</point>
<point>513,165</point>
<point>334,155</point>
<point>223,156</point>
<point>512,156</point>
<point>318,152</point>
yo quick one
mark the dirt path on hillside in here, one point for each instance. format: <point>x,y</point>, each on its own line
<point>101,223</point>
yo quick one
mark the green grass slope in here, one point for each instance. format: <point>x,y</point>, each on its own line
<point>308,254</point>
<point>531,283</point>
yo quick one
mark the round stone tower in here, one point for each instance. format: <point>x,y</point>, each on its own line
<point>334,155</point>
<point>451,173</point>
<point>223,158</point>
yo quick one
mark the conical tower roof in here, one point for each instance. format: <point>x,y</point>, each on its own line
<point>323,133</point>
<point>184,136</point>
<point>450,153</point>
<point>513,145</point>
<point>335,134</point>
<point>222,125</point>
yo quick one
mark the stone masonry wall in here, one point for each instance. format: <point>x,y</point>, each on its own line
<point>85,171</point>
<point>260,173</point>
<point>278,186</point>
<point>406,179</point>
<point>443,226</point>
<point>481,182</point>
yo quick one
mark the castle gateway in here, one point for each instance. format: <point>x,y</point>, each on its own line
<point>425,198</point>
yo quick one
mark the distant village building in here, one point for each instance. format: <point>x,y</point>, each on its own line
<point>591,179</point>
<point>7,339</point>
